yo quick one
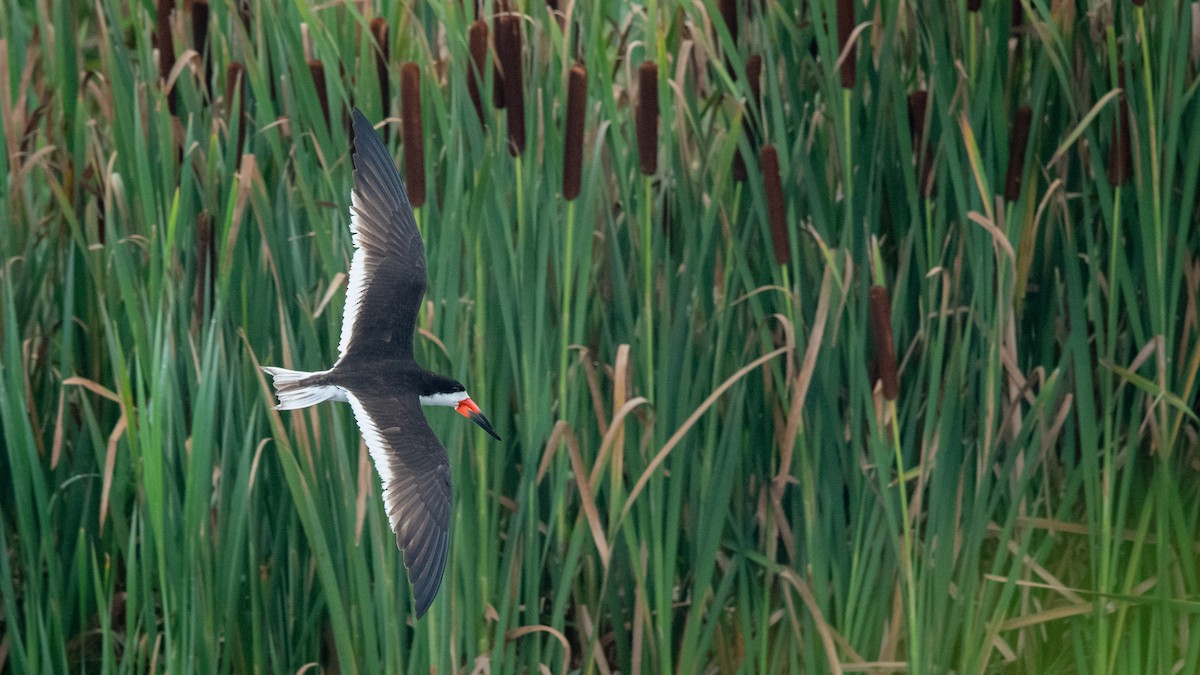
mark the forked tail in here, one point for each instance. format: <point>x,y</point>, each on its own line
<point>298,389</point>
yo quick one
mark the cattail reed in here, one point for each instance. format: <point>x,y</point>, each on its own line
<point>200,36</point>
<point>1016,153</point>
<point>647,117</point>
<point>414,140</point>
<point>166,49</point>
<point>383,56</point>
<point>1119,153</point>
<point>845,26</point>
<point>317,69</point>
<point>510,49</point>
<point>573,150</point>
<point>477,40</point>
<point>235,101</point>
<point>885,350</point>
<point>917,102</point>
<point>768,160</point>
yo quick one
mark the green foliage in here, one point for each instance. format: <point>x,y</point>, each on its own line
<point>697,472</point>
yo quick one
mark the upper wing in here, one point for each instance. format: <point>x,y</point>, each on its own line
<point>415,472</point>
<point>387,274</point>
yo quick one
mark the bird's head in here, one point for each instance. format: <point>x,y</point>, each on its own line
<point>444,391</point>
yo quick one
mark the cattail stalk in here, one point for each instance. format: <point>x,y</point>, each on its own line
<point>572,179</point>
<point>510,52</point>
<point>845,26</point>
<point>414,140</point>
<point>383,56</point>
<point>647,117</point>
<point>573,150</point>
<point>235,101</point>
<point>1016,153</point>
<point>768,160</point>
<point>885,350</point>
<point>317,69</point>
<point>477,40</point>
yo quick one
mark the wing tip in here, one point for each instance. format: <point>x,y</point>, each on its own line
<point>425,579</point>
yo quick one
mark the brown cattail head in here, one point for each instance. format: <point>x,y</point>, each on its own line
<point>477,40</point>
<point>754,66</point>
<point>1139,3</point>
<point>162,38</point>
<point>753,79</point>
<point>199,25</point>
<point>974,5</point>
<point>729,15</point>
<point>165,46</point>
<point>1016,153</point>
<point>510,50</point>
<point>200,36</point>
<point>917,102</point>
<point>206,269</point>
<point>318,75</point>
<point>845,26</point>
<point>383,56</point>
<point>1119,153</point>
<point>881,331</point>
<point>1018,14</point>
<point>739,167</point>
<point>414,140</point>
<point>573,151</point>
<point>768,160</point>
<point>243,11</point>
<point>499,37</point>
<point>647,117</point>
<point>235,101</point>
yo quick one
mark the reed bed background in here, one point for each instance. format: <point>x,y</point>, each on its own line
<point>823,336</point>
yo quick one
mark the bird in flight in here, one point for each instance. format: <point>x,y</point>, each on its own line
<point>377,374</point>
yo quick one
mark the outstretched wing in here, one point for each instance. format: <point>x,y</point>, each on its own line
<point>415,472</point>
<point>387,274</point>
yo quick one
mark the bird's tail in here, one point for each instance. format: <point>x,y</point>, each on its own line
<point>298,389</point>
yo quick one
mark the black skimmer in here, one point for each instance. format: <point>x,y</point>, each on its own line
<point>376,373</point>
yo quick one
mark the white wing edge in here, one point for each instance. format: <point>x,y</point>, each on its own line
<point>376,445</point>
<point>357,287</point>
